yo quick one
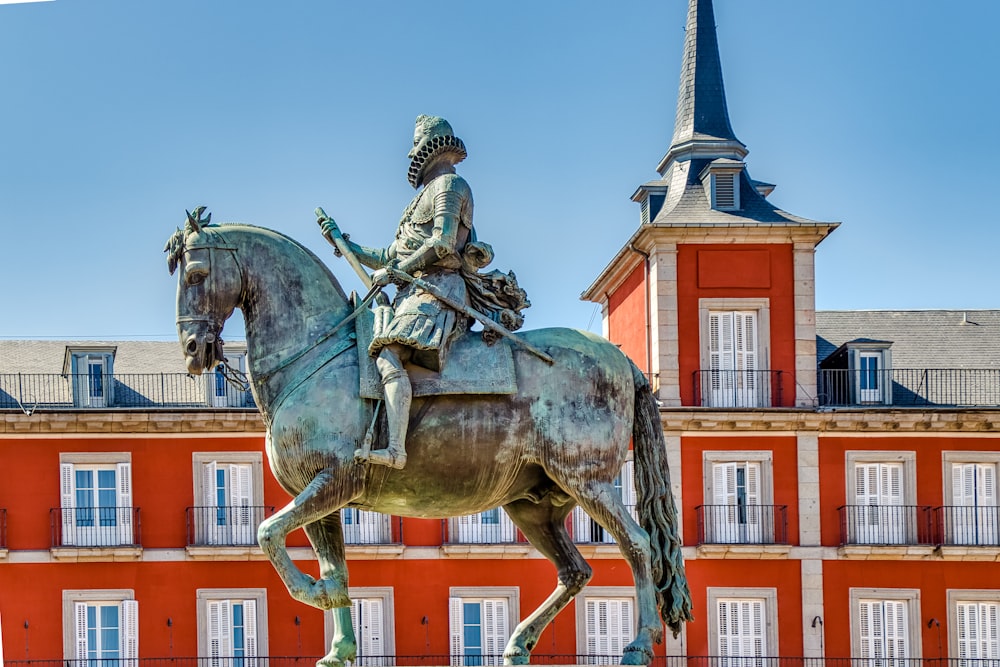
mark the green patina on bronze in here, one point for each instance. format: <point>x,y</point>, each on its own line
<point>559,441</point>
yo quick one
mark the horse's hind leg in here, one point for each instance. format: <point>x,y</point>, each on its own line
<point>544,524</point>
<point>327,539</point>
<point>601,501</point>
<point>324,495</point>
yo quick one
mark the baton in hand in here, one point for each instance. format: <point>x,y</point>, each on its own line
<point>337,239</point>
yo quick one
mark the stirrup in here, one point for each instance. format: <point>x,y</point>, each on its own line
<point>388,457</point>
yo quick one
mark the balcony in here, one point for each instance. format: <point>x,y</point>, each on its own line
<point>902,387</point>
<point>586,531</point>
<point>490,527</point>
<point>968,526</point>
<point>737,388</point>
<point>742,524</point>
<point>225,526</point>
<point>95,532</point>
<point>885,525</point>
<point>52,391</point>
<point>364,528</point>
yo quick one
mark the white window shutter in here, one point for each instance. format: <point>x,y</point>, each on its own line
<point>963,484</point>
<point>456,620</point>
<point>752,482</point>
<point>80,629</point>
<point>208,495</point>
<point>495,631</point>
<point>725,483</point>
<point>892,491</point>
<point>367,617</point>
<point>592,610</point>
<point>240,500</point>
<point>208,518</point>
<point>220,628</point>
<point>124,471</point>
<point>627,625</point>
<point>250,627</point>
<point>742,628</point>
<point>67,489</point>
<point>628,486</point>
<point>896,630</point>
<point>129,631</point>
<point>967,630</point>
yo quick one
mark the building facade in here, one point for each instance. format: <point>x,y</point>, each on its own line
<point>835,471</point>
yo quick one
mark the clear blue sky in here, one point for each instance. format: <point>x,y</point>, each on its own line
<point>117,115</point>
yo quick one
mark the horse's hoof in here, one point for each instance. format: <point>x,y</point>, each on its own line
<point>339,657</point>
<point>517,656</point>
<point>636,655</point>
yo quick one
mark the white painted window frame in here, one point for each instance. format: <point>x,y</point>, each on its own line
<point>950,458</point>
<point>909,595</point>
<point>765,458</point>
<point>762,306</point>
<point>385,595</point>
<point>602,593</point>
<point>199,460</point>
<point>205,595</point>
<point>512,596</point>
<point>770,599</point>
<point>122,461</point>
<point>70,598</point>
<point>956,596</point>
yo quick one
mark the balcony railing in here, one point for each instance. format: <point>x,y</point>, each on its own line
<point>225,526</point>
<point>968,526</point>
<point>490,527</point>
<point>95,527</point>
<point>885,525</point>
<point>742,524</point>
<point>585,530</point>
<point>130,390</point>
<point>362,527</point>
<point>737,389</point>
<point>909,387</point>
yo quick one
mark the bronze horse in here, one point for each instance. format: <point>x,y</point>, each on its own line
<point>558,442</point>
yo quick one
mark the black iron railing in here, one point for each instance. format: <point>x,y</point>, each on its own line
<point>585,530</point>
<point>362,527</point>
<point>434,660</point>
<point>490,527</point>
<point>95,527</point>
<point>46,391</point>
<point>911,387</point>
<point>225,526</point>
<point>742,524</point>
<point>885,525</point>
<point>968,526</point>
<point>737,389</point>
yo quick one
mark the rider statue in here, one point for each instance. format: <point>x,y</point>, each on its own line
<point>435,243</point>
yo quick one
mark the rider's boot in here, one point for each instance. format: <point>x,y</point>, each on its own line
<point>398,395</point>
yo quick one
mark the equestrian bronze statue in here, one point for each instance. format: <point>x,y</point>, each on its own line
<point>552,410</point>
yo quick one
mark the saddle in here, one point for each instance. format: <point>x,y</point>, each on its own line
<point>473,367</point>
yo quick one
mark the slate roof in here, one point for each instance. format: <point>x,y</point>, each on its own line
<point>46,356</point>
<point>920,338</point>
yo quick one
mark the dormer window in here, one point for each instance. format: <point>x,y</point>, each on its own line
<point>223,393</point>
<point>650,197</point>
<point>859,372</point>
<point>90,371</point>
<point>721,180</point>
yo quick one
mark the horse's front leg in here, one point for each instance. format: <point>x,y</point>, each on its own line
<point>327,538</point>
<point>324,495</point>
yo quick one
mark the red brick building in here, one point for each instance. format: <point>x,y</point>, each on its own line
<point>836,472</point>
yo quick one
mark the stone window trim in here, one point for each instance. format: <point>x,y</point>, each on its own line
<point>911,595</point>
<point>385,594</point>
<point>203,595</point>
<point>764,457</point>
<point>952,457</point>
<point>71,597</point>
<point>770,598</point>
<point>599,592</point>
<point>92,458</point>
<point>201,459</point>
<point>907,458</point>
<point>956,595</point>
<point>511,593</point>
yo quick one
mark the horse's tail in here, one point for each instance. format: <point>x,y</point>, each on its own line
<point>656,508</point>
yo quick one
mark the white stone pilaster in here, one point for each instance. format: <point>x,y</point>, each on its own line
<point>674,466</point>
<point>807,446</point>
<point>812,608</point>
<point>663,322</point>
<point>804,276</point>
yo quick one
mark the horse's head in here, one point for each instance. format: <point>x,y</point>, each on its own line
<point>209,288</point>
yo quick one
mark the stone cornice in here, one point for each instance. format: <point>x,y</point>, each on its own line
<point>13,424</point>
<point>883,421</point>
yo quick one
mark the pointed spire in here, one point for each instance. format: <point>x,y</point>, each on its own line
<point>702,115</point>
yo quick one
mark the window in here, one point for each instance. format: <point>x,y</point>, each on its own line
<point>974,626</point>
<point>973,518</point>
<point>228,498</point>
<point>365,527</point>
<point>100,627</point>
<point>372,620</point>
<point>605,621</point>
<point>742,625</point>
<point>725,192</point>
<point>96,500</point>
<point>232,626</point>
<point>221,392</point>
<point>90,372</point>
<point>480,623</point>
<point>885,626</point>
<point>489,527</point>
<point>588,531</point>
<point>738,497</point>
<point>881,498</point>
<point>734,358</point>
